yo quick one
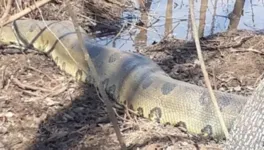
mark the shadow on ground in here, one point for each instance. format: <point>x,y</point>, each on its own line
<point>68,128</point>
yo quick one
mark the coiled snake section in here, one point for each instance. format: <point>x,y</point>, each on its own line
<point>128,78</point>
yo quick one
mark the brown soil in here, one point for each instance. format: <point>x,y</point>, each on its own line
<point>41,107</point>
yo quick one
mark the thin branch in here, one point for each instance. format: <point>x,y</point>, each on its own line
<point>7,10</point>
<point>205,73</point>
<point>27,86</point>
<point>25,11</point>
<point>97,80</point>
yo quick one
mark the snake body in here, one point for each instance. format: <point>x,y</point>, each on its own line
<point>128,78</point>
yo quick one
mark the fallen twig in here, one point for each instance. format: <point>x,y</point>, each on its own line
<point>205,73</point>
<point>30,93</point>
<point>34,69</point>
<point>55,93</point>
<point>3,97</point>
<point>247,50</point>
<point>28,87</point>
<point>59,91</point>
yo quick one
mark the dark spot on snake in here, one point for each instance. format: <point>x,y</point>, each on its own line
<point>207,130</point>
<point>140,112</point>
<point>78,75</point>
<point>224,102</point>
<point>130,64</point>
<point>204,99</point>
<point>155,114</point>
<point>147,82</point>
<point>94,51</point>
<point>167,88</point>
<point>113,57</point>
<point>181,124</point>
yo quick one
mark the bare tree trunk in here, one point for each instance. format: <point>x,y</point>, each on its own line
<point>141,37</point>
<point>235,15</point>
<point>189,26</point>
<point>203,8</point>
<point>248,130</point>
<point>168,21</point>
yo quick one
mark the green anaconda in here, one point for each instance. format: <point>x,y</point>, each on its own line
<point>128,78</point>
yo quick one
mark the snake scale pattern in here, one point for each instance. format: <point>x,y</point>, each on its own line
<point>128,78</point>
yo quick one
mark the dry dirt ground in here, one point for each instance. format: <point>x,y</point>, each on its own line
<point>234,60</point>
<point>43,108</point>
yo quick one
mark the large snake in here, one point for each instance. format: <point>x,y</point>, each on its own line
<point>128,78</point>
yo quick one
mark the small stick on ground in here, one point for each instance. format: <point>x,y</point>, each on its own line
<point>56,91</point>
<point>248,50</point>
<point>30,93</point>
<point>205,73</point>
<point>3,97</point>
<point>28,87</point>
<point>34,69</point>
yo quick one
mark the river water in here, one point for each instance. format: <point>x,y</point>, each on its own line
<point>164,18</point>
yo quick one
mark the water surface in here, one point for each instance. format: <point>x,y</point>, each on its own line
<point>163,18</point>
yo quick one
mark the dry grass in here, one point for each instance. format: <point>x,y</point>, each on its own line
<point>92,14</point>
